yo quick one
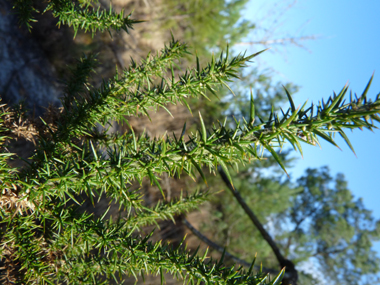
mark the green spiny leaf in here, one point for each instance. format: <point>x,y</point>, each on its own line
<point>203,128</point>
<point>225,169</point>
<point>344,136</point>
<point>154,179</point>
<point>290,99</point>
<point>275,155</point>
<point>252,111</point>
<point>248,58</point>
<point>199,170</point>
<point>325,137</point>
<point>337,99</point>
<point>187,105</point>
<point>290,119</point>
<point>364,94</point>
<point>228,87</point>
<point>277,280</point>
<point>183,131</point>
<point>94,151</point>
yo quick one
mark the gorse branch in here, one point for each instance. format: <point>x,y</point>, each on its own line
<point>25,12</point>
<point>78,15</point>
<point>61,175</point>
<point>85,17</point>
<point>165,211</point>
<point>138,157</point>
<point>104,248</point>
<point>114,101</point>
<point>47,240</point>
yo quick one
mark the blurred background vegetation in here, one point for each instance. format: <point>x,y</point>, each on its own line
<point>315,222</point>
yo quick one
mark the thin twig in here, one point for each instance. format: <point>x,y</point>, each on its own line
<point>292,273</point>
<point>282,41</point>
<point>221,249</point>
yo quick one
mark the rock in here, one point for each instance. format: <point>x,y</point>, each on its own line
<point>25,72</point>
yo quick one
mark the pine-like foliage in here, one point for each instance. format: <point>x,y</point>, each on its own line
<point>44,239</point>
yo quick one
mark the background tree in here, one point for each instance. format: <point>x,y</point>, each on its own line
<point>310,221</point>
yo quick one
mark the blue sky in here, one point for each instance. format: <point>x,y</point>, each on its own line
<point>347,50</point>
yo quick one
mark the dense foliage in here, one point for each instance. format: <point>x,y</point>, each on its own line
<point>44,239</point>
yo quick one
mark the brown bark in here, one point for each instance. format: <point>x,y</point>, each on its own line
<point>291,274</point>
